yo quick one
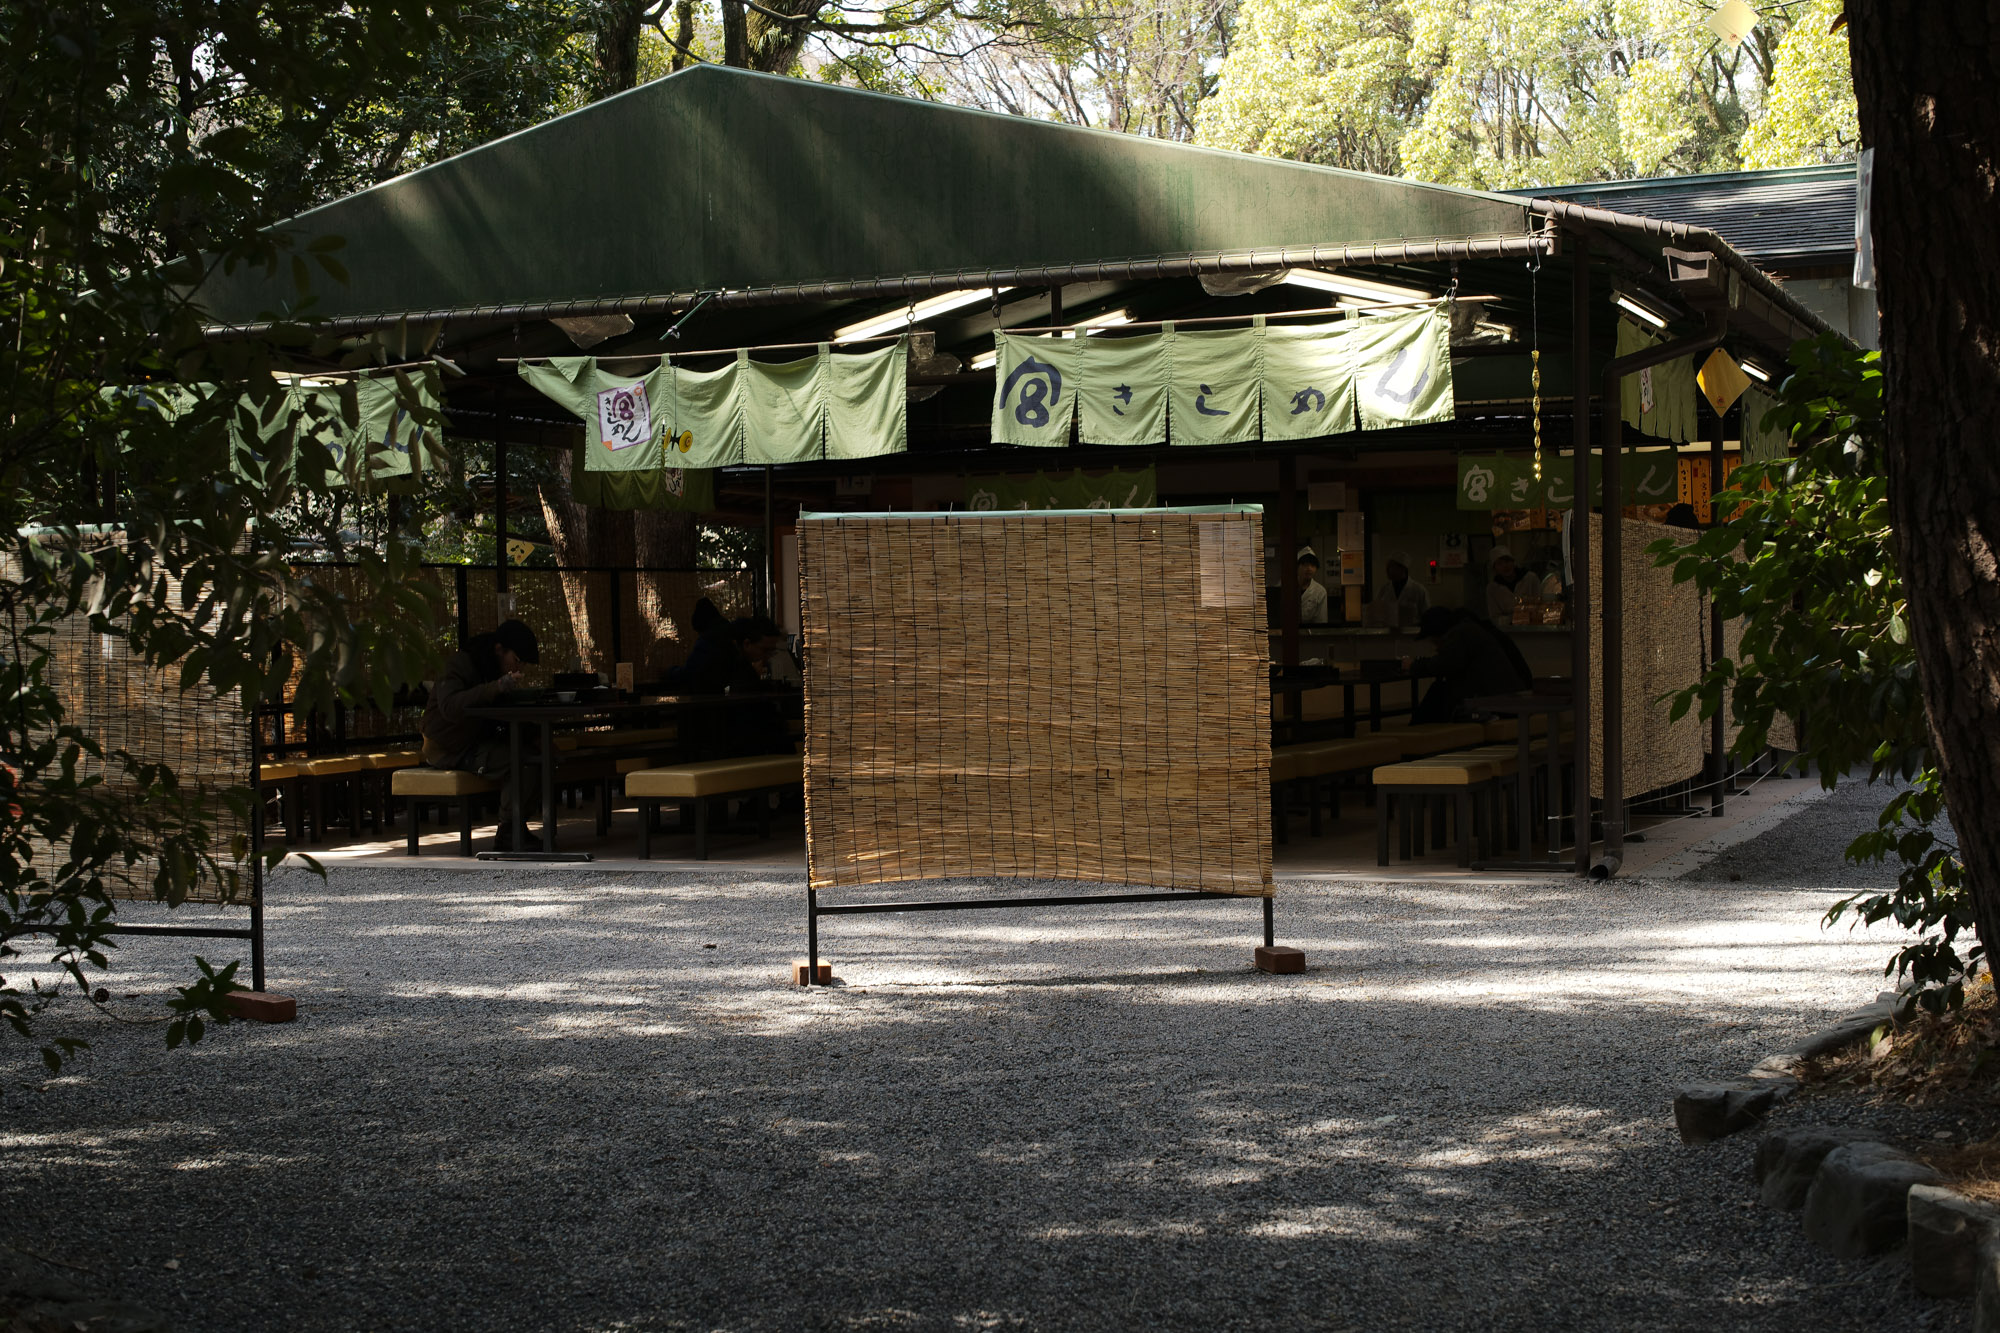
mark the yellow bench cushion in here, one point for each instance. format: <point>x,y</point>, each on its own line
<point>1509,728</point>
<point>439,782</point>
<point>716,777</point>
<point>382,759</point>
<point>628,736</point>
<point>332,765</point>
<point>276,772</point>
<point>1348,755</point>
<point>1436,773</point>
<point>1504,760</point>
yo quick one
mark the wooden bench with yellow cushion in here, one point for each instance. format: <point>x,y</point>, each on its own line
<point>695,783</point>
<point>442,786</point>
<point>1427,738</point>
<point>1468,781</point>
<point>1311,760</point>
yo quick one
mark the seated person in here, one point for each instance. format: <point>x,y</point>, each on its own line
<point>714,659</point>
<point>488,667</point>
<point>763,647</point>
<point>1473,659</point>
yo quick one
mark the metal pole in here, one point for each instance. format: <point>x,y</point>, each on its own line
<point>770,553</point>
<point>1719,766</point>
<point>1288,569</point>
<point>1579,545</point>
<point>1613,593</point>
<point>256,864</point>
<point>812,935</point>
<point>500,526</point>
<point>1055,304</point>
<point>1270,925</point>
<point>458,587</point>
<point>617,620</point>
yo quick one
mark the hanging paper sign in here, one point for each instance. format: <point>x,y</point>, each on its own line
<point>1722,381</point>
<point>623,419</point>
<point>1646,389</point>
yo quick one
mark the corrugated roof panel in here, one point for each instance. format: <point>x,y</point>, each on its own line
<point>1788,216</point>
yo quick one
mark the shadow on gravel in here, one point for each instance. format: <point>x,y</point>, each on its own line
<point>524,1107</point>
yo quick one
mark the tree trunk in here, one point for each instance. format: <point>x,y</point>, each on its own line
<point>616,44</point>
<point>735,38</point>
<point>1924,77</point>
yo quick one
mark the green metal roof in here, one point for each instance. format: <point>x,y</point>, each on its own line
<point>715,178</point>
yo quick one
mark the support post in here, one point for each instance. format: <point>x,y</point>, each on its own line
<point>458,589</point>
<point>1579,544</point>
<point>1718,770</point>
<point>1611,534</point>
<point>1055,305</point>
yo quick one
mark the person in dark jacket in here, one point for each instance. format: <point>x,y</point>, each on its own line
<point>1473,659</point>
<point>488,667</point>
<point>715,660</point>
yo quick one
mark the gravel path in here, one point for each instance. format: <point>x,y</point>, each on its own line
<point>537,1100</point>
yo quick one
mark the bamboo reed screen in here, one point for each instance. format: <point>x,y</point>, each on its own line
<point>1666,631</point>
<point>127,705</point>
<point>1079,695</point>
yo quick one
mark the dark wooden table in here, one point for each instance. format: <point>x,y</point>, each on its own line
<point>1523,708</point>
<point>548,716</point>
<point>1292,687</point>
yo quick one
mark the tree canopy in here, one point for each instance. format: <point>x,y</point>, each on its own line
<point>1507,93</point>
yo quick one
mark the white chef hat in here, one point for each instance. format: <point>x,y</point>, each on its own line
<point>1500,553</point>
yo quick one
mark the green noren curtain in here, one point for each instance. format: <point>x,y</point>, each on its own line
<point>1226,386</point>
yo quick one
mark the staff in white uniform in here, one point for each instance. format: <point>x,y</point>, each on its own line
<point>1500,590</point>
<point>1312,593</point>
<point>1410,599</point>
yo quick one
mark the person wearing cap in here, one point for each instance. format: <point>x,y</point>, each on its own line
<point>1312,593</point>
<point>488,667</point>
<point>1408,596</point>
<point>1500,591</point>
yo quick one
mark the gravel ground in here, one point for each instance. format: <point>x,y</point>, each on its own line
<point>537,1099</point>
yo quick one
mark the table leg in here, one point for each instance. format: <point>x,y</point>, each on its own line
<point>1374,705</point>
<point>549,819</point>
<point>1555,790</point>
<point>1524,804</point>
<point>1347,706</point>
<point>514,780</point>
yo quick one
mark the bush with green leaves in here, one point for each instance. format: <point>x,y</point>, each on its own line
<point>1807,563</point>
<point>130,174</point>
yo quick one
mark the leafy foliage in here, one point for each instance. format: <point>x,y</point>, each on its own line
<point>1503,93</point>
<point>1808,564</point>
<point>145,144</point>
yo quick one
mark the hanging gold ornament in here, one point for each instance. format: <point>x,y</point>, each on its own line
<point>1535,379</point>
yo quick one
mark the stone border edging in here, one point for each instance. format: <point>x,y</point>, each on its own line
<point>1705,1112</point>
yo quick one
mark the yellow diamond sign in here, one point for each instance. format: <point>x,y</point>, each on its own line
<point>1722,381</point>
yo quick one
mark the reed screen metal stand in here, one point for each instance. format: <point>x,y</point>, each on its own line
<point>814,911</point>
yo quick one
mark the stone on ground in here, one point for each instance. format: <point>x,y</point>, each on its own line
<point>1788,1159</point>
<point>1946,1233</point>
<point>1858,1203</point>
